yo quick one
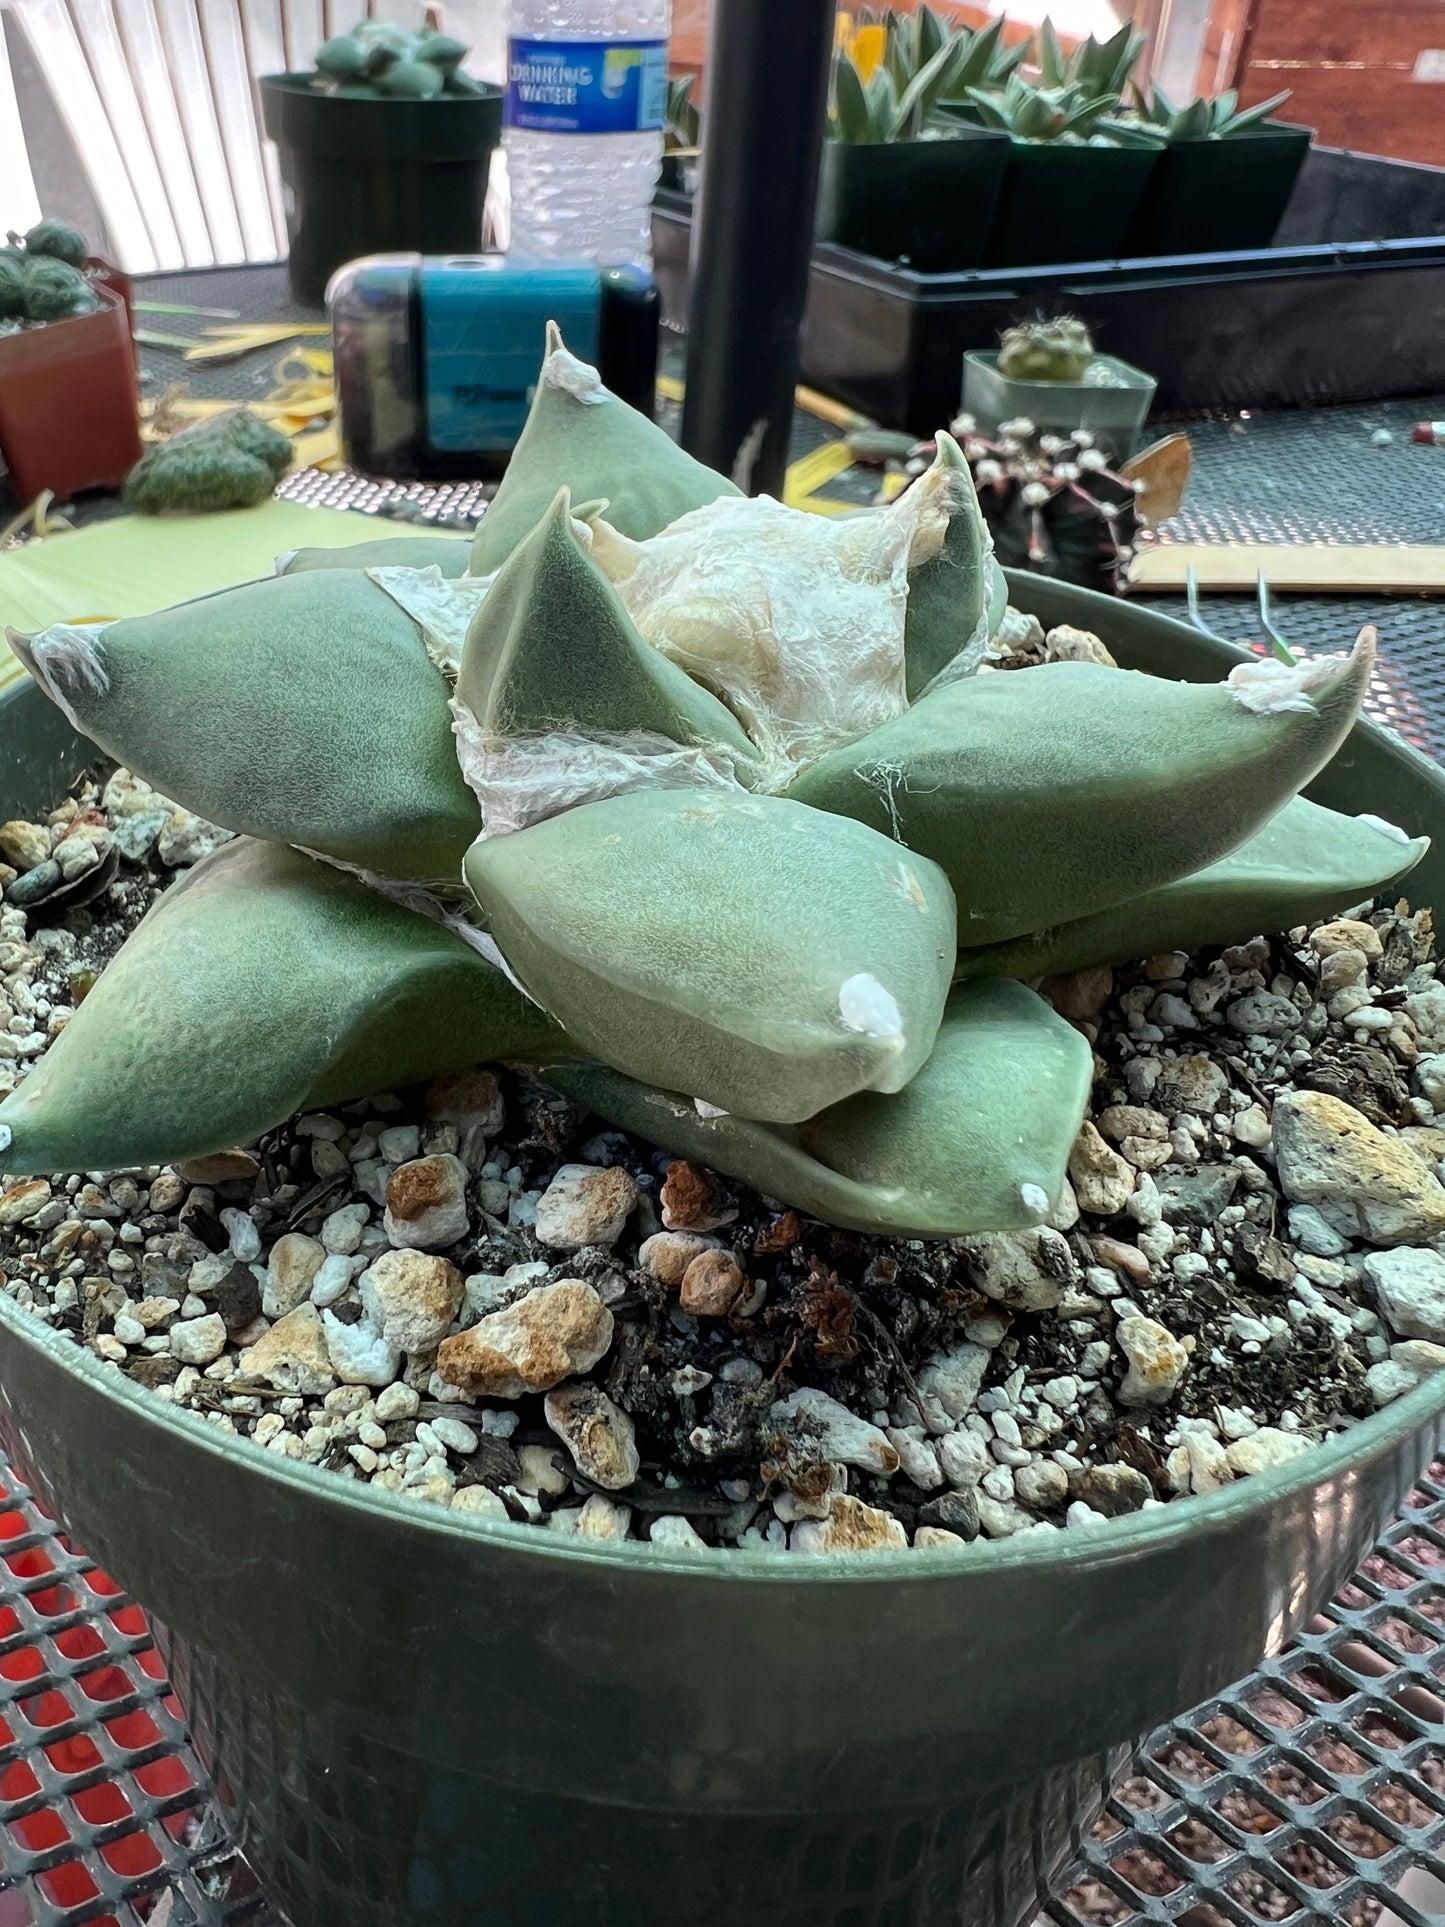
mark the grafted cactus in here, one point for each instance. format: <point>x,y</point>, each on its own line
<point>698,807</point>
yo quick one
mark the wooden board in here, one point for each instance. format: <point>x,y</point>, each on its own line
<point>1362,569</point>
<point>1366,77</point>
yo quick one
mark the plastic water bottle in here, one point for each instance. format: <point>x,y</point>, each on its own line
<point>586,99</point>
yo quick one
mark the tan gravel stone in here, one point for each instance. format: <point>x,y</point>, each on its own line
<point>292,1355</point>
<point>552,1333</point>
<point>1330,1154</point>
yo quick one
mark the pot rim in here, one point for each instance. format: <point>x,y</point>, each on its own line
<point>988,358</point>
<point>1073,1548</point>
<point>299,82</point>
<point>1264,128</point>
<point>1114,1542</point>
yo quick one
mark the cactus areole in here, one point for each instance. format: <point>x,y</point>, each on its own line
<point>695,805</point>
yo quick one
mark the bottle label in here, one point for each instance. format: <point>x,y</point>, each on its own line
<point>586,86</point>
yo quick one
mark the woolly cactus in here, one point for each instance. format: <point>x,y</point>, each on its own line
<point>697,806</point>
<point>1047,349</point>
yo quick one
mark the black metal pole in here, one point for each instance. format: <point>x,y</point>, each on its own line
<point>766,99</point>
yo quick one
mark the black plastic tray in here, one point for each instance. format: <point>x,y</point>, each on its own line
<point>1348,305</point>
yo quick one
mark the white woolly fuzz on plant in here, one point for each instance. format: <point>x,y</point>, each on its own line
<point>442,607</point>
<point>866,1007</point>
<point>795,620</point>
<point>562,369</point>
<point>63,657</point>
<point>926,509</point>
<point>946,491</point>
<point>1035,1200</point>
<point>707,1111</point>
<point>520,780</point>
<point>616,554</point>
<point>1270,687</point>
<point>1392,830</point>
<point>285,559</point>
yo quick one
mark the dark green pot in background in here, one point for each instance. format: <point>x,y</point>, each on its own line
<point>1062,203</point>
<point>372,176</point>
<point>424,1721</point>
<point>1219,196</point>
<point>927,203</point>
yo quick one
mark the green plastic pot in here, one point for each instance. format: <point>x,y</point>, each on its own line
<point>1219,196</point>
<point>373,176</point>
<point>1063,203</point>
<point>421,1720</point>
<point>927,203</point>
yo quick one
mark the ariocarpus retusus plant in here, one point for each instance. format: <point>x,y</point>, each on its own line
<point>695,805</point>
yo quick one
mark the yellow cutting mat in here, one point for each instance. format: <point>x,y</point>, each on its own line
<point>138,563</point>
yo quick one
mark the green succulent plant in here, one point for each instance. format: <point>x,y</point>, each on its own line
<point>694,805</point>
<point>382,60</point>
<point>682,123</point>
<point>12,284</point>
<point>1203,119</point>
<point>1051,348</point>
<point>1097,67</point>
<point>1066,113</point>
<point>60,240</point>
<point>232,462</point>
<point>1077,97</point>
<point>928,66</point>
<point>54,291</point>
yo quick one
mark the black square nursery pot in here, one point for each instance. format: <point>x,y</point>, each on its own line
<point>1066,203</point>
<point>424,1720</point>
<point>1219,196</point>
<point>373,176</point>
<point>928,203</point>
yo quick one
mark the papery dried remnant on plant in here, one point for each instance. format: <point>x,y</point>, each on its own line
<point>695,805</point>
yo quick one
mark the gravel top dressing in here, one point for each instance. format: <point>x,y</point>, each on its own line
<point>471,1294</point>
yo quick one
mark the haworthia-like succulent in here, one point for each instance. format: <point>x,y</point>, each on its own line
<point>951,596</point>
<point>579,436</point>
<point>302,707</point>
<point>978,1141</point>
<point>758,981</point>
<point>1305,863</point>
<point>985,1129</point>
<point>553,650</point>
<point>1051,793</point>
<point>449,553</point>
<point>264,981</point>
<point>762,957</point>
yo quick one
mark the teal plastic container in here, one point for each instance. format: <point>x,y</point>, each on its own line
<point>420,1720</point>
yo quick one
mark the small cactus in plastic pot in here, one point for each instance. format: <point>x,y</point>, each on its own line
<point>385,147</point>
<point>1057,349</point>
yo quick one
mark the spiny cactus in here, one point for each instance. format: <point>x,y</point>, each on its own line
<point>696,806</point>
<point>1049,349</point>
